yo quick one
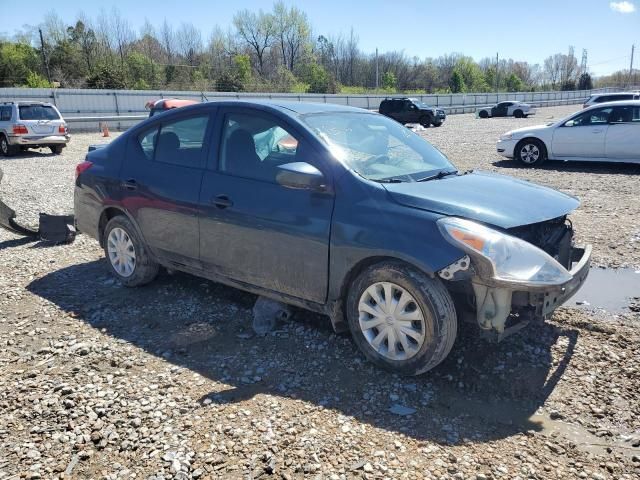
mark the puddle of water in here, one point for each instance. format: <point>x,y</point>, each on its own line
<point>608,289</point>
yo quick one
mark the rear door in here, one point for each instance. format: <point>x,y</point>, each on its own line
<point>623,134</point>
<point>582,136</point>
<point>254,230</point>
<point>161,180</point>
<point>40,119</point>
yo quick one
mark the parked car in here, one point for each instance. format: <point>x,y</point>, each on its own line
<point>610,97</point>
<point>164,104</point>
<point>507,109</point>
<point>409,110</point>
<point>606,132</point>
<point>25,125</point>
<point>363,221</point>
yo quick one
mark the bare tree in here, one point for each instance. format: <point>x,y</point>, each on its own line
<point>122,33</point>
<point>257,30</point>
<point>167,39</point>
<point>189,42</point>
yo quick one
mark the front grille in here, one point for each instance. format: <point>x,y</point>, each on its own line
<point>553,236</point>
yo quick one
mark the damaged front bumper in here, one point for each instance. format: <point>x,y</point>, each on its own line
<point>504,308</point>
<point>53,228</point>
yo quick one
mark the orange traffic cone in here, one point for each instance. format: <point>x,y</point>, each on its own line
<point>105,130</point>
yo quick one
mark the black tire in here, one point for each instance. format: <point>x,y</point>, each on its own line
<point>145,269</point>
<point>430,296</point>
<point>525,150</point>
<point>6,149</point>
<point>56,149</point>
<point>425,121</point>
<point>518,114</point>
<point>437,124</point>
<point>483,114</point>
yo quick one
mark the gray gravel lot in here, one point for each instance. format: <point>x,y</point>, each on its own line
<point>169,381</point>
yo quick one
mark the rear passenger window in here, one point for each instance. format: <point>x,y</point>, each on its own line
<point>5,114</point>
<point>178,143</point>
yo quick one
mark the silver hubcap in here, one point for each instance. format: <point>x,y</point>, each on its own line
<point>122,254</point>
<point>391,321</point>
<point>4,146</point>
<point>530,153</point>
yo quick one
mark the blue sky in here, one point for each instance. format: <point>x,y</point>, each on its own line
<point>523,30</point>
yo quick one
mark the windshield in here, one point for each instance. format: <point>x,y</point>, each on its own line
<point>377,147</point>
<point>38,112</point>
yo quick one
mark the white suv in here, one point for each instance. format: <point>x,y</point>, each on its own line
<point>610,97</point>
<point>26,125</point>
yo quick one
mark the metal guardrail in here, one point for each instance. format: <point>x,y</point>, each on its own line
<point>450,110</point>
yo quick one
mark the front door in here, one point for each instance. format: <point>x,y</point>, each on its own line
<point>161,178</point>
<point>582,136</point>
<point>500,110</point>
<point>623,134</point>
<point>254,230</point>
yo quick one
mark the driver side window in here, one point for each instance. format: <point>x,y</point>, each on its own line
<point>599,116</point>
<point>254,146</point>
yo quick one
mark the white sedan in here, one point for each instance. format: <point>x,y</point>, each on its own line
<point>604,132</point>
<point>507,109</point>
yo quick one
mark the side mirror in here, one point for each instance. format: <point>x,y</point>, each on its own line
<point>300,175</point>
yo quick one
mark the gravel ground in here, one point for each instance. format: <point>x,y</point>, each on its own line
<point>169,381</point>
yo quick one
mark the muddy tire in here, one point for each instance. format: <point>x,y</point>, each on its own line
<point>483,114</point>
<point>530,152</point>
<point>401,319</point>
<point>6,149</point>
<point>56,149</point>
<point>127,256</point>
<point>518,114</point>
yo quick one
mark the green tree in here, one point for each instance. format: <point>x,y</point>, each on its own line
<point>317,78</point>
<point>472,76</point>
<point>514,84</point>
<point>389,80</point>
<point>242,68</point>
<point>142,72</point>
<point>107,76</point>
<point>456,83</point>
<point>37,81</point>
<point>17,61</point>
<point>585,82</point>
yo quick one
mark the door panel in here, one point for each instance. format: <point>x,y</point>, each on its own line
<point>582,136</point>
<point>161,180</point>
<point>263,233</point>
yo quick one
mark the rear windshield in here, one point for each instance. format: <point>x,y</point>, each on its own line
<point>38,112</point>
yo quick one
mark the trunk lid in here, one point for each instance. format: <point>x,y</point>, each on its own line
<point>493,199</point>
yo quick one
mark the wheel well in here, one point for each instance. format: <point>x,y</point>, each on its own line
<point>540,142</point>
<point>107,215</point>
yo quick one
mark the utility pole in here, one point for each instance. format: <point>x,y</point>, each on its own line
<point>376,69</point>
<point>44,56</point>
<point>497,70</point>
<point>633,47</point>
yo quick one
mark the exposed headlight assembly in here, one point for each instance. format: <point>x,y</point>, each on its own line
<point>502,257</point>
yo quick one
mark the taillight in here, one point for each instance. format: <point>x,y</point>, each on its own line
<point>81,167</point>
<point>20,130</point>
<point>62,129</point>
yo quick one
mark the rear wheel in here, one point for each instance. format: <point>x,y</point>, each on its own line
<point>6,149</point>
<point>401,319</point>
<point>56,149</point>
<point>127,256</point>
<point>530,152</point>
<point>483,114</point>
<point>437,124</point>
<point>518,114</point>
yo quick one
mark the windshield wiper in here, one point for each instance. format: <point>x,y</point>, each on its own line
<point>389,180</point>
<point>440,174</point>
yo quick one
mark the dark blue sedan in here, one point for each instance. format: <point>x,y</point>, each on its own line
<point>336,210</point>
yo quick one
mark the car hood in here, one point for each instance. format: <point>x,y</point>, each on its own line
<point>525,130</point>
<point>489,198</point>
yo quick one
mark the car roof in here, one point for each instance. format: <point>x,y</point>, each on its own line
<point>632,103</point>
<point>594,95</point>
<point>286,107</point>
<point>26,102</point>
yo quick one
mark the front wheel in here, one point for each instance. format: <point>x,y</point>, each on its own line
<point>530,152</point>
<point>483,114</point>
<point>127,256</point>
<point>401,319</point>
<point>425,121</point>
<point>437,124</point>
